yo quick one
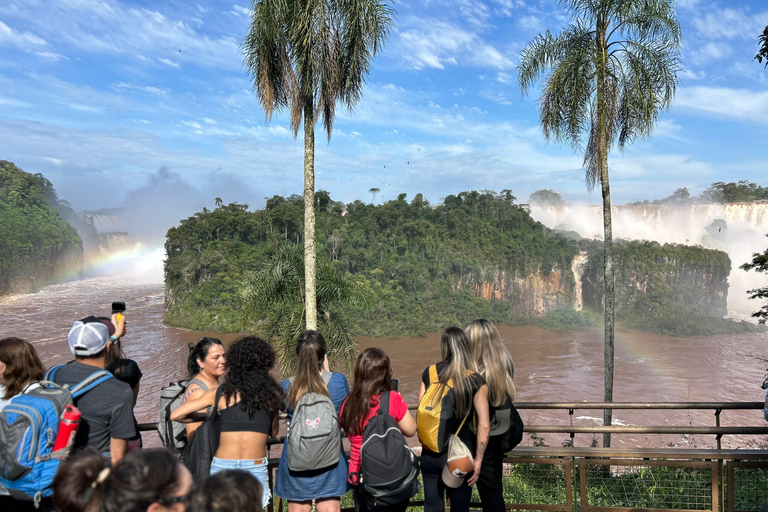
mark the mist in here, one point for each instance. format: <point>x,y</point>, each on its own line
<point>739,229</point>
<point>132,234</point>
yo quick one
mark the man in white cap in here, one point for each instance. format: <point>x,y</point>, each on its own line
<point>107,409</point>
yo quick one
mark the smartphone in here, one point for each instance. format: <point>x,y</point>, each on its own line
<point>118,307</point>
<point>395,384</point>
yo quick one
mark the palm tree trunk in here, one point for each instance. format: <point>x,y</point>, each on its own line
<point>608,296</point>
<point>310,263</point>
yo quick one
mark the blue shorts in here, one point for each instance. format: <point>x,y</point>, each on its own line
<point>257,468</point>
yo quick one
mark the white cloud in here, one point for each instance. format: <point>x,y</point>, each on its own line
<point>738,104</point>
<point>241,11</point>
<point>22,40</point>
<point>51,55</point>
<point>192,124</point>
<point>112,28</point>
<point>56,161</point>
<point>496,96</point>
<point>170,63</point>
<point>730,23</point>
<point>158,91</point>
<point>504,78</point>
<point>436,43</point>
<point>208,120</point>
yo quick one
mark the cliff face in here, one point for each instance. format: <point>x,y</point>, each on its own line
<point>536,293</point>
<point>37,247</point>
<point>653,278</point>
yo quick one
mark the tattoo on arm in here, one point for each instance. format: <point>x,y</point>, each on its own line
<point>481,449</point>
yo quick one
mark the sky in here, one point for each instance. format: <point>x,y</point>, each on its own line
<point>133,102</point>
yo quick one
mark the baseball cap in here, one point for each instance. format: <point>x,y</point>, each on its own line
<point>88,336</point>
<point>459,464</point>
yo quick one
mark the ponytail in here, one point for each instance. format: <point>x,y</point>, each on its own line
<point>310,352</point>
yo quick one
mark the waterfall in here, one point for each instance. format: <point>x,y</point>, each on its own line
<point>739,229</point>
<point>577,267</point>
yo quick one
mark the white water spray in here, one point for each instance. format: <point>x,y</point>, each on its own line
<point>741,235</point>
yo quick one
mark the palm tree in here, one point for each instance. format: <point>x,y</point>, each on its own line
<point>278,287</point>
<point>607,78</point>
<point>305,55</point>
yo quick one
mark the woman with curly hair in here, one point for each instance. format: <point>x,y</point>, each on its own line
<point>249,402</point>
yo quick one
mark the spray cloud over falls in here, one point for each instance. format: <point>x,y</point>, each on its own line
<point>737,228</point>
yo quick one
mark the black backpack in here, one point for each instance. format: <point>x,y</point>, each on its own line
<point>508,424</point>
<point>389,471</point>
<point>198,453</point>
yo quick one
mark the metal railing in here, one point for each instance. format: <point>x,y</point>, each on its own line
<point>688,479</point>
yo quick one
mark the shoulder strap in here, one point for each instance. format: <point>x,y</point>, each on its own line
<point>433,377</point>
<point>327,377</point>
<point>384,403</point>
<point>49,375</point>
<point>90,382</point>
<point>199,383</point>
<point>217,397</point>
<point>462,422</point>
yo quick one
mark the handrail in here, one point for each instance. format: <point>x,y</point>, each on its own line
<point>617,429</point>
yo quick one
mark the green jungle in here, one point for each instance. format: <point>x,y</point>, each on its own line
<point>410,267</point>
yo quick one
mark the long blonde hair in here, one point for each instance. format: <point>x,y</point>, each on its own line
<point>310,351</point>
<point>493,361</point>
<point>455,350</point>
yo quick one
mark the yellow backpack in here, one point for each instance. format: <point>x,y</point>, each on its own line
<point>434,412</point>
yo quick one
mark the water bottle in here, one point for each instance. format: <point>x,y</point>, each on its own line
<point>70,421</point>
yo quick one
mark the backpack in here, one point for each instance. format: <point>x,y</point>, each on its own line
<point>313,437</point>
<point>389,471</point>
<point>434,412</point>
<point>173,434</point>
<point>508,424</point>
<point>29,425</point>
<point>199,450</point>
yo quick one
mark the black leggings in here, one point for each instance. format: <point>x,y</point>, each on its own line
<point>490,485</point>
<point>431,472</point>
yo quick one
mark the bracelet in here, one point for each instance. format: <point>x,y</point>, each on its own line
<point>112,338</point>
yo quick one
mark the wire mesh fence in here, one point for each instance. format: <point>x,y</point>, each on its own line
<point>747,488</point>
<point>668,485</point>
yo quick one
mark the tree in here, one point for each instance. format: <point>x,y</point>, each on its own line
<point>759,263</point>
<point>546,197</point>
<point>279,287</point>
<point>305,56</point>
<point>608,76</point>
<point>763,52</point>
<point>373,191</point>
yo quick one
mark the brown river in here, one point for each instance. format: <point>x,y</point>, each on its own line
<point>549,366</point>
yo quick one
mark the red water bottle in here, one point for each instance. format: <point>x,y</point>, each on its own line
<point>70,421</point>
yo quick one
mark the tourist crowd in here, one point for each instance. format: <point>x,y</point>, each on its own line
<point>215,426</point>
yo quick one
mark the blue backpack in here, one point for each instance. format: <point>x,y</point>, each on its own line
<point>29,425</point>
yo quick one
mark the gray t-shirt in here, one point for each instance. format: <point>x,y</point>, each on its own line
<point>107,409</point>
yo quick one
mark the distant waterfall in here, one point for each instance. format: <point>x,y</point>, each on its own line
<point>577,267</point>
<point>736,228</point>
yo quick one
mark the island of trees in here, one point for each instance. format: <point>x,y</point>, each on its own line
<point>417,267</point>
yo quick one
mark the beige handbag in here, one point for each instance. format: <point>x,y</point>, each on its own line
<point>460,462</point>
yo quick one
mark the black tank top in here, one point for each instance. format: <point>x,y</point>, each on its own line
<point>235,419</point>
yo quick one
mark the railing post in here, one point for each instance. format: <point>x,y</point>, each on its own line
<point>573,436</point>
<point>720,472</point>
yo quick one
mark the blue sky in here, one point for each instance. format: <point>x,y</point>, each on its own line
<point>120,102</point>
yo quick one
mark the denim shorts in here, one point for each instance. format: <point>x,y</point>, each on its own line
<point>257,469</point>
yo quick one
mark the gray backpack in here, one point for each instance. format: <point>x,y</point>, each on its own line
<point>173,434</point>
<point>313,438</point>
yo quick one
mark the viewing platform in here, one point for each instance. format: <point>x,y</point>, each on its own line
<point>623,479</point>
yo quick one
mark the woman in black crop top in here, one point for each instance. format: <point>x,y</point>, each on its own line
<point>249,402</point>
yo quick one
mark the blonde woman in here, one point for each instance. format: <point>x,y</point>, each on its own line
<point>470,402</point>
<point>495,364</point>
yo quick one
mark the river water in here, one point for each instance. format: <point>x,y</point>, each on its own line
<point>550,366</point>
